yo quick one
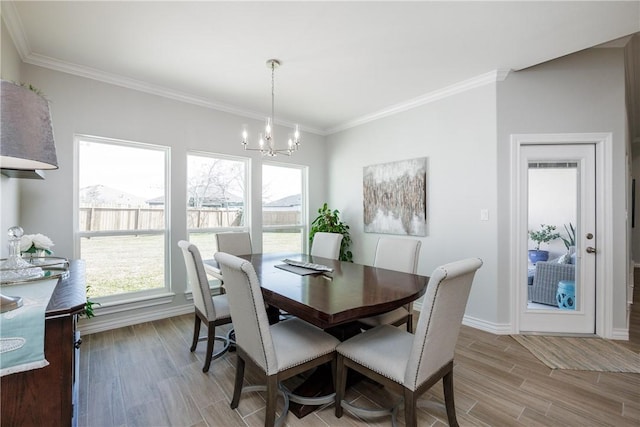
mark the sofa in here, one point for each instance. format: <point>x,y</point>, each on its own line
<point>546,277</point>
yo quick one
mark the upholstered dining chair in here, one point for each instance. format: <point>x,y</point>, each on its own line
<point>234,243</point>
<point>213,311</point>
<point>400,255</point>
<point>326,245</point>
<point>279,351</point>
<point>409,364</point>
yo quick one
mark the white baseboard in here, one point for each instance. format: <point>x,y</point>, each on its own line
<point>620,334</point>
<point>96,324</point>
<point>483,325</point>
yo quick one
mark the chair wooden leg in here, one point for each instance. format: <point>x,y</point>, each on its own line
<point>196,333</point>
<point>211,340</point>
<point>333,372</point>
<point>447,382</point>
<point>410,416</point>
<point>410,323</point>
<point>272,395</point>
<point>341,383</point>
<point>237,387</point>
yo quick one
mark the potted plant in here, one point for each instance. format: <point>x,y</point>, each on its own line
<point>88,307</point>
<point>329,221</point>
<point>570,240</point>
<point>546,234</point>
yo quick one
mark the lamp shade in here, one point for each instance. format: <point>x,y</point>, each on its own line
<point>27,141</point>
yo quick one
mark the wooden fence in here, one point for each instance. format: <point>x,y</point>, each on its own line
<point>122,219</point>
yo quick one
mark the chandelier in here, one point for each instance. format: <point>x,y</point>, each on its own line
<point>266,143</point>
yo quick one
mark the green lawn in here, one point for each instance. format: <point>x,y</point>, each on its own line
<point>123,264</point>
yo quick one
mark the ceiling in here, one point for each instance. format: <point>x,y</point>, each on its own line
<point>342,62</point>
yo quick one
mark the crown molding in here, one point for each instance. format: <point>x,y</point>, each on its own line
<point>14,25</point>
<point>138,85</point>
<point>12,20</point>
<point>463,86</point>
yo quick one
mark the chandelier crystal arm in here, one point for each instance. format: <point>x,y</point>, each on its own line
<point>266,142</point>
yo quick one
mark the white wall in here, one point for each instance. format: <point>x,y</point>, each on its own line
<point>583,92</point>
<point>466,139</point>
<point>84,106</point>
<point>458,137</point>
<point>9,187</point>
<point>636,228</point>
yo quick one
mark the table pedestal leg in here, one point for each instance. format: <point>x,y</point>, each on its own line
<point>320,381</point>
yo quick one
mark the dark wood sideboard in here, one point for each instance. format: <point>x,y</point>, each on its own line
<point>49,396</point>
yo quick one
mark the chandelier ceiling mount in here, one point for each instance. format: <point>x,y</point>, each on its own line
<point>266,142</point>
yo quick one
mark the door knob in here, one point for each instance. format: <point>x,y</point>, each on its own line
<point>591,250</point>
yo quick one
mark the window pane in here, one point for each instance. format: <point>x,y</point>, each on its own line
<point>205,243</point>
<point>281,196</point>
<point>282,241</point>
<point>121,264</point>
<point>215,192</point>
<point>122,215</point>
<point>282,202</point>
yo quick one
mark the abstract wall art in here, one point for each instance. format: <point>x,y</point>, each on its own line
<point>395,197</point>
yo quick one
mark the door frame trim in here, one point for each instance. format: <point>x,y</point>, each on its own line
<point>604,222</point>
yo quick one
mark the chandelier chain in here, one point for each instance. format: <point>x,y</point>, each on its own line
<point>266,142</point>
<point>273,92</point>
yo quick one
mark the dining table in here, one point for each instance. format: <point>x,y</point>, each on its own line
<point>332,299</point>
<point>326,299</point>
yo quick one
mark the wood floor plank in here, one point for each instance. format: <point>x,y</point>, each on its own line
<point>631,410</point>
<point>576,399</point>
<point>176,396</point>
<point>105,404</point>
<point>219,414</point>
<point>102,364</point>
<point>150,413</point>
<point>500,392</point>
<point>532,418</point>
<point>493,416</point>
<point>204,389</point>
<point>145,375</point>
<point>504,376</point>
<point>176,346</point>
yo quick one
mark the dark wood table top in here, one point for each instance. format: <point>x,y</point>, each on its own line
<point>70,295</point>
<point>350,292</point>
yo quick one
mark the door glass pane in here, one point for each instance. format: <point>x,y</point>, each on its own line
<point>552,220</point>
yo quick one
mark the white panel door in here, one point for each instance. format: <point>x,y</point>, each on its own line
<point>558,189</point>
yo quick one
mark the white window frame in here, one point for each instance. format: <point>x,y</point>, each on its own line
<point>304,190</point>
<point>214,284</point>
<point>160,295</point>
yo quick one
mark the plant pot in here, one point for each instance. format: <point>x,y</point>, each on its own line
<point>538,255</point>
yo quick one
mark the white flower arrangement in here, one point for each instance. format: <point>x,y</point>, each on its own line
<point>31,243</point>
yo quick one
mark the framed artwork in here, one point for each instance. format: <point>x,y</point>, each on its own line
<point>394,197</point>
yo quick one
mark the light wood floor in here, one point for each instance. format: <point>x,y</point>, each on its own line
<point>144,375</point>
